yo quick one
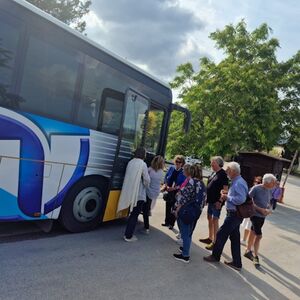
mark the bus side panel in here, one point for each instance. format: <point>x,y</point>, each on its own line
<point>69,153</point>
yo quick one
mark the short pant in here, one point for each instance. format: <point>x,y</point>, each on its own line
<point>257,224</point>
<point>212,211</point>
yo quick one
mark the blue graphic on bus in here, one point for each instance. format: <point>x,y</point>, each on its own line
<point>31,164</point>
<point>28,203</point>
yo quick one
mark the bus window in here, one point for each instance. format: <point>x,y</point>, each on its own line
<point>112,115</point>
<point>9,36</point>
<point>92,88</point>
<point>154,126</point>
<point>49,78</point>
<point>135,118</point>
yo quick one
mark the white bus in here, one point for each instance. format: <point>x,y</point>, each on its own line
<point>71,114</point>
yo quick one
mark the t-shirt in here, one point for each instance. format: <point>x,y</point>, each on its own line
<point>155,180</point>
<point>261,197</point>
<point>215,184</point>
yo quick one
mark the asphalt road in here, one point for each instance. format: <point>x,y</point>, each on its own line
<point>100,265</point>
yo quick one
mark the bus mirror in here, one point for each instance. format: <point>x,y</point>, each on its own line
<point>187,116</point>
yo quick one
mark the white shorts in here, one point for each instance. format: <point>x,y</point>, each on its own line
<point>247,223</point>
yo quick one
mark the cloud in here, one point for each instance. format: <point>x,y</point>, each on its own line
<point>157,35</point>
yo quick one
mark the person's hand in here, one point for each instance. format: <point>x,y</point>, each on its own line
<point>224,194</point>
<point>267,212</point>
<point>218,205</point>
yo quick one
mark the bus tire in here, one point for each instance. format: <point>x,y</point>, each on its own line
<point>83,207</point>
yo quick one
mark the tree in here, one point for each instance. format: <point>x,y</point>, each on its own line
<point>235,104</point>
<point>67,11</point>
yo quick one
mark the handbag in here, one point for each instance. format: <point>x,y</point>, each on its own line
<point>245,210</point>
<point>166,196</point>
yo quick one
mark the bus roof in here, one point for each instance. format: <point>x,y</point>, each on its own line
<point>64,26</point>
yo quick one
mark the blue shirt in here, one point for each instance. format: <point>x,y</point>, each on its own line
<point>169,179</point>
<point>237,193</point>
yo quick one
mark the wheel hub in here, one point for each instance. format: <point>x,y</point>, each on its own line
<point>87,204</point>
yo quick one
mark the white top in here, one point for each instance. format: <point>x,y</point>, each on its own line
<point>154,187</point>
<point>134,186</point>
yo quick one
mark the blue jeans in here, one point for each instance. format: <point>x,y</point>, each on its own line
<point>186,231</point>
<point>231,229</point>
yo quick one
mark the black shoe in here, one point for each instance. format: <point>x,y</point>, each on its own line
<point>210,258</point>
<point>171,227</point>
<point>256,261</point>
<point>249,255</point>
<point>206,241</point>
<point>165,225</point>
<point>232,265</point>
<point>185,259</point>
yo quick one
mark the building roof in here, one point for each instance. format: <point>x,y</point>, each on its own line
<point>254,153</point>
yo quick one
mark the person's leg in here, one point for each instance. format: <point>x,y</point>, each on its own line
<point>210,222</point>
<point>132,220</point>
<point>215,228</point>
<point>146,210</point>
<point>185,230</point>
<point>235,244</point>
<point>256,244</point>
<point>246,234</point>
<point>222,236</point>
<point>251,240</point>
<point>167,213</point>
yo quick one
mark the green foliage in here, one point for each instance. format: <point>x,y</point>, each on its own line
<point>245,102</point>
<point>67,11</point>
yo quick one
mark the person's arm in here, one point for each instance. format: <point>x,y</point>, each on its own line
<point>240,195</point>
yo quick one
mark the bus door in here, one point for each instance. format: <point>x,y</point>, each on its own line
<point>132,135</point>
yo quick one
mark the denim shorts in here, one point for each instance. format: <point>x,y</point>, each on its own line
<point>212,211</point>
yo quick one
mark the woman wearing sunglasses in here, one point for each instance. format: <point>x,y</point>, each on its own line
<point>172,182</point>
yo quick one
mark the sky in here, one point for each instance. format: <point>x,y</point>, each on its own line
<point>159,35</point>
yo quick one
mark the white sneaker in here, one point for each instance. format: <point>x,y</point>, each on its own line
<point>243,242</point>
<point>133,239</point>
<point>179,242</point>
<point>145,231</point>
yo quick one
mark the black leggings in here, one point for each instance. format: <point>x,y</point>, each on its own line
<point>146,210</point>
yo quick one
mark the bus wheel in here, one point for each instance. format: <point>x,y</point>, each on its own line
<point>83,206</point>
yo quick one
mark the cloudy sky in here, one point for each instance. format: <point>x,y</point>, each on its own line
<point>158,35</point>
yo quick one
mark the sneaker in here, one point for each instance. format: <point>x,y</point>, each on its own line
<point>206,241</point>
<point>256,261</point>
<point>210,246</point>
<point>232,265</point>
<point>171,227</point>
<point>133,239</point>
<point>249,255</point>
<point>210,258</point>
<point>243,242</point>
<point>179,242</point>
<point>178,236</point>
<point>145,231</point>
<point>185,259</point>
<point>165,225</point>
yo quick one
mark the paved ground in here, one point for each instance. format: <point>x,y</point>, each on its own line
<point>100,265</point>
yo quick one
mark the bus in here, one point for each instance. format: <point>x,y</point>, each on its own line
<point>71,114</point>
